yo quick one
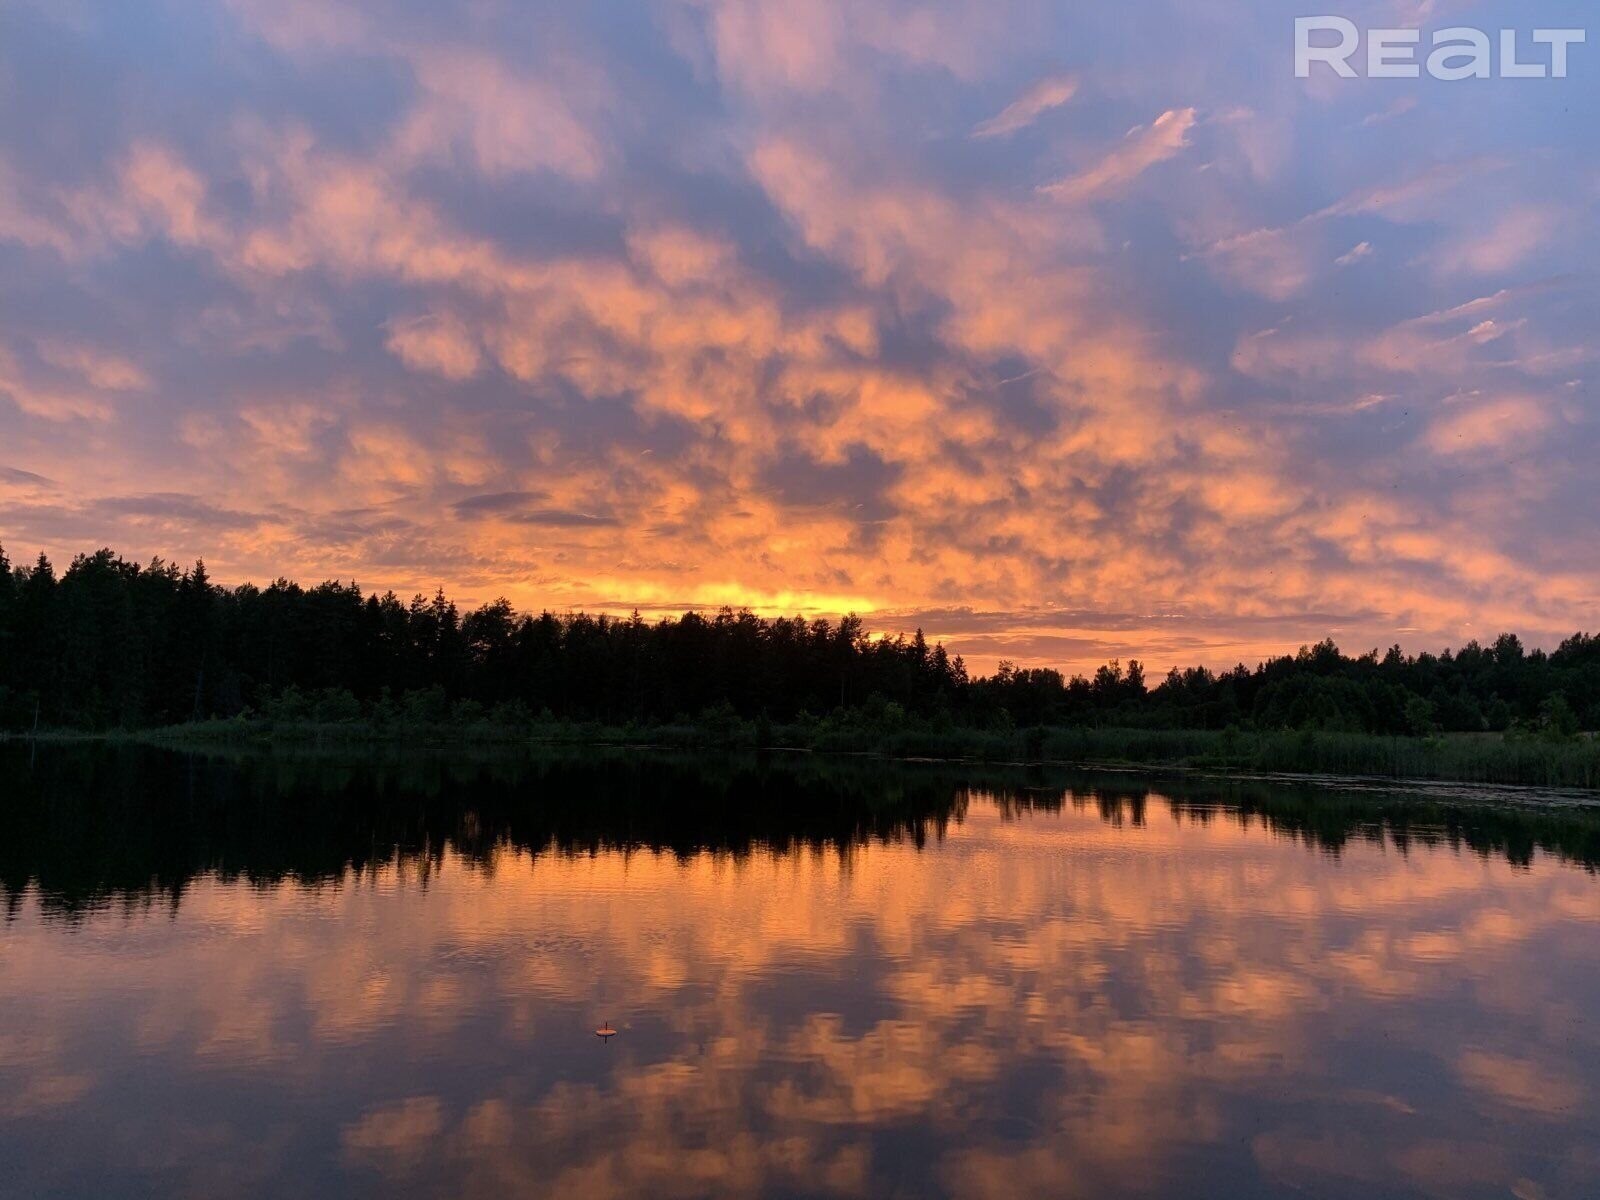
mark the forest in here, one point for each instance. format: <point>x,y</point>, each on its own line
<point>112,644</point>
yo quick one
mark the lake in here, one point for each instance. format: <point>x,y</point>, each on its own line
<point>306,976</point>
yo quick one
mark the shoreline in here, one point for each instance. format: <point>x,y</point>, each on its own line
<point>1517,772</point>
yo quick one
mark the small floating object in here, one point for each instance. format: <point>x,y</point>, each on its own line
<point>605,1033</point>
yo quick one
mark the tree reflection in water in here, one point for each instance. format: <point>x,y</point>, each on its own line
<point>834,976</point>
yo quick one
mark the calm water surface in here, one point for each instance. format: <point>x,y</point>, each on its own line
<point>281,978</point>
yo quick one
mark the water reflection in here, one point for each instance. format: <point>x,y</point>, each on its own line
<point>828,978</point>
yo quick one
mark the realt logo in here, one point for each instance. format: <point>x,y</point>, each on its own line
<point>1459,52</point>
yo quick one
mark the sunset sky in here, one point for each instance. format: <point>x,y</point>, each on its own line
<point>1063,331</point>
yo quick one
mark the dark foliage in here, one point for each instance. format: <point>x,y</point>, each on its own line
<point>113,644</point>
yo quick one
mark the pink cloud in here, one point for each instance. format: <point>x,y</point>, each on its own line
<point>1166,137</point>
<point>659,291</point>
<point>1049,93</point>
<point>440,344</point>
<point>1497,425</point>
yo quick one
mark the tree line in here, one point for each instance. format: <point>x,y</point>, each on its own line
<point>110,643</point>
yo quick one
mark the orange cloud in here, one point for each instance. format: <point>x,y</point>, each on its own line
<point>777,315</point>
<point>1502,424</point>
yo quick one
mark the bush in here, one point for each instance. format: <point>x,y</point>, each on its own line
<point>431,707</point>
<point>335,706</point>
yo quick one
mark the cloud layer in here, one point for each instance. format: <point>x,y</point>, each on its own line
<point>1065,335</point>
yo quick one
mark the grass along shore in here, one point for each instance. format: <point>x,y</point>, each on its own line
<point>1523,759</point>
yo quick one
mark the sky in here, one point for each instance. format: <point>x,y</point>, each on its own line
<point>1063,331</point>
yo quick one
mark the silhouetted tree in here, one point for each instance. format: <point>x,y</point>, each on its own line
<point>112,643</point>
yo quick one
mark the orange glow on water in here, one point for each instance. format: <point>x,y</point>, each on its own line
<point>1153,971</point>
